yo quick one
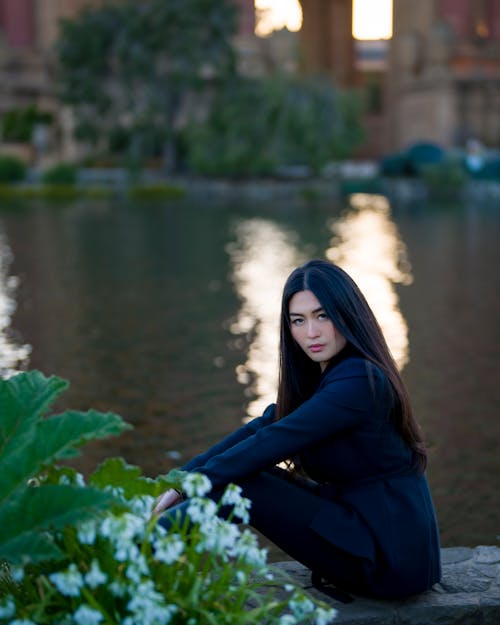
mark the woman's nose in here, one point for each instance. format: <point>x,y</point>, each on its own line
<point>312,329</point>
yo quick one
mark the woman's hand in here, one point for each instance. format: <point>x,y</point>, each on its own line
<point>169,498</point>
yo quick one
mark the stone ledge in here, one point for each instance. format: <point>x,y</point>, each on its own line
<point>469,594</point>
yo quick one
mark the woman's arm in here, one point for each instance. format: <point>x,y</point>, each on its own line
<point>232,439</point>
<point>344,402</point>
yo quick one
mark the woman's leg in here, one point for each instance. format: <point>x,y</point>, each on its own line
<point>283,511</point>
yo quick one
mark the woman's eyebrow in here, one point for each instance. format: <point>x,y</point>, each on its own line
<point>316,310</point>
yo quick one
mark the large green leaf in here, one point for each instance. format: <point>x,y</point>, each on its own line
<point>29,443</point>
<point>49,440</point>
<point>23,519</point>
<point>24,398</point>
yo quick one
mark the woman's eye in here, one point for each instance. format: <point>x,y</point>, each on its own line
<point>297,322</point>
<point>322,316</point>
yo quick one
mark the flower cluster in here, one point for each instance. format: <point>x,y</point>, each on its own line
<point>124,568</point>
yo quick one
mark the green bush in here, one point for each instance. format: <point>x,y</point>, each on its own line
<point>61,173</point>
<point>18,124</point>
<point>12,169</point>
<point>257,126</point>
<point>446,176</point>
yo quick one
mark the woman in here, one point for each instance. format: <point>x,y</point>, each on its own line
<point>367,523</point>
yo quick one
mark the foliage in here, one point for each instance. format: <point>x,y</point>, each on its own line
<point>256,126</point>
<point>18,124</point>
<point>62,173</point>
<point>129,69</point>
<point>124,568</point>
<point>446,176</point>
<point>91,554</point>
<point>53,192</point>
<point>12,169</point>
<point>29,444</point>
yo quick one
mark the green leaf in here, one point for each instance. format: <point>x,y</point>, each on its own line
<point>51,439</point>
<point>116,472</point>
<point>24,398</point>
<point>45,508</point>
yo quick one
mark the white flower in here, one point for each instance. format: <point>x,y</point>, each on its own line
<point>137,568</point>
<point>201,510</point>
<point>232,497</point>
<point>122,527</point>
<point>289,587</point>
<point>147,607</point>
<point>87,532</point>
<point>85,615</point>
<point>7,607</point>
<point>287,619</point>
<point>241,510</point>
<point>247,548</point>
<point>68,582</point>
<point>118,589</point>
<point>324,617</point>
<point>17,573</point>
<point>219,536</point>
<point>95,577</point>
<point>169,549</point>
<point>126,551</point>
<point>142,506</point>
<point>300,605</point>
<point>196,485</point>
<point>241,576</point>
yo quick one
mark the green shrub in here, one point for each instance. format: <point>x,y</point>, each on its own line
<point>256,126</point>
<point>12,169</point>
<point>18,124</point>
<point>447,176</point>
<point>62,173</point>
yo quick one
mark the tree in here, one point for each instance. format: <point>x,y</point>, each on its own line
<point>129,70</point>
<point>257,126</point>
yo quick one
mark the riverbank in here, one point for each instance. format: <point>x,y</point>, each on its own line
<point>153,185</point>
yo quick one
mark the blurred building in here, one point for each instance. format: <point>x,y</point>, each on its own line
<point>444,73</point>
<point>437,80</point>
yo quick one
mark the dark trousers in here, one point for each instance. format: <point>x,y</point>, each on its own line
<point>282,510</point>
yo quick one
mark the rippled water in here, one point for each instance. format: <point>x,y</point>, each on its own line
<point>167,314</point>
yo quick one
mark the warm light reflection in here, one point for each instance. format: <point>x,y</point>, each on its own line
<point>12,355</point>
<point>367,245</point>
<point>372,19</point>
<point>262,258</point>
<point>277,14</point>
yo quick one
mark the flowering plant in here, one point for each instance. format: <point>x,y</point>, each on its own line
<point>124,568</point>
<point>77,553</point>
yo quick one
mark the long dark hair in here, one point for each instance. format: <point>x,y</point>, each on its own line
<point>350,313</point>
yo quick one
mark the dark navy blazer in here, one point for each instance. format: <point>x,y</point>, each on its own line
<point>375,504</point>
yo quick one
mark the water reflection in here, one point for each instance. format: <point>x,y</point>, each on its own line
<point>12,355</point>
<point>366,243</point>
<point>261,258</point>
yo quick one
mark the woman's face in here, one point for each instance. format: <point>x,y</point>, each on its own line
<point>312,329</point>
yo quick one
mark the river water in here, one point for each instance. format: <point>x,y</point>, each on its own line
<point>167,314</point>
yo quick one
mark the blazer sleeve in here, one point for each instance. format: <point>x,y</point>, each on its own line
<point>340,404</point>
<point>232,439</point>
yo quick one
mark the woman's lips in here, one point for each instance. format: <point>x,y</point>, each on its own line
<point>316,348</point>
